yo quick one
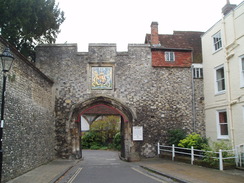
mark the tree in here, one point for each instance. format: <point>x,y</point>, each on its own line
<point>26,23</point>
<point>107,127</point>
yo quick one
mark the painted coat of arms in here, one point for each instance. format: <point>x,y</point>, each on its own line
<point>102,78</point>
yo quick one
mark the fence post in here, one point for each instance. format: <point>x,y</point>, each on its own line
<point>220,160</point>
<point>173,152</point>
<point>241,151</point>
<point>236,155</point>
<point>158,148</point>
<point>192,155</point>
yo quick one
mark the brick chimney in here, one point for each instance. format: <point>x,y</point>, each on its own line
<point>154,34</point>
<point>228,7</point>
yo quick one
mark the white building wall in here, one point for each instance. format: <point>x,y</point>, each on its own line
<point>232,34</point>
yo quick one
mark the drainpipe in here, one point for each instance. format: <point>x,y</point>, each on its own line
<point>228,83</point>
<point>229,103</point>
<point>193,99</point>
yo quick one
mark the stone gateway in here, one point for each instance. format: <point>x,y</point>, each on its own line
<point>153,87</point>
<point>155,97</point>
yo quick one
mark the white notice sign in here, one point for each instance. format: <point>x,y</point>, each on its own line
<point>137,133</point>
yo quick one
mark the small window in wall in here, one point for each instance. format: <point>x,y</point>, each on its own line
<point>197,71</point>
<point>242,71</point>
<point>220,79</point>
<point>217,41</point>
<point>222,124</point>
<point>169,56</point>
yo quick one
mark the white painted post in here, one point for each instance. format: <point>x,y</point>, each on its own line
<point>220,160</point>
<point>241,150</point>
<point>192,154</point>
<point>173,152</point>
<point>158,148</point>
<point>241,154</point>
<point>236,155</point>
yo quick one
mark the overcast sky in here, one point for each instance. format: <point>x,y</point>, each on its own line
<point>127,21</point>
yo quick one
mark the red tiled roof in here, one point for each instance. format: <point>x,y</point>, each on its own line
<point>181,40</point>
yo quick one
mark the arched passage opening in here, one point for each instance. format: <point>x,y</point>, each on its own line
<point>102,105</point>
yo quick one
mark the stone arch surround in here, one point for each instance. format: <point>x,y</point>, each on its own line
<point>128,116</point>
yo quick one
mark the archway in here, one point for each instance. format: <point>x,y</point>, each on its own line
<point>102,105</point>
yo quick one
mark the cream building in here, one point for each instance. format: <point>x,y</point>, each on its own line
<point>223,70</point>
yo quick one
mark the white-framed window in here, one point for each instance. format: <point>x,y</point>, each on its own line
<point>169,56</point>
<point>197,71</point>
<point>242,71</point>
<point>217,41</point>
<point>220,79</point>
<point>222,124</point>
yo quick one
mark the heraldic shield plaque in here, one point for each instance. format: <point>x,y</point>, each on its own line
<point>102,78</point>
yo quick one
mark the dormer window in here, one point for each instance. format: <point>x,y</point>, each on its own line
<point>169,56</point>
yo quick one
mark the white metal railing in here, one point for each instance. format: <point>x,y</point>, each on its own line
<point>240,155</point>
<point>232,154</point>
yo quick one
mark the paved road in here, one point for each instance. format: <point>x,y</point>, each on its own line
<point>106,167</point>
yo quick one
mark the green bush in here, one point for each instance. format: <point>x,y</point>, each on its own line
<point>107,127</point>
<point>194,140</point>
<point>104,148</point>
<point>92,138</point>
<point>215,147</point>
<point>102,134</point>
<point>95,147</point>
<point>175,136</point>
<point>117,141</point>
